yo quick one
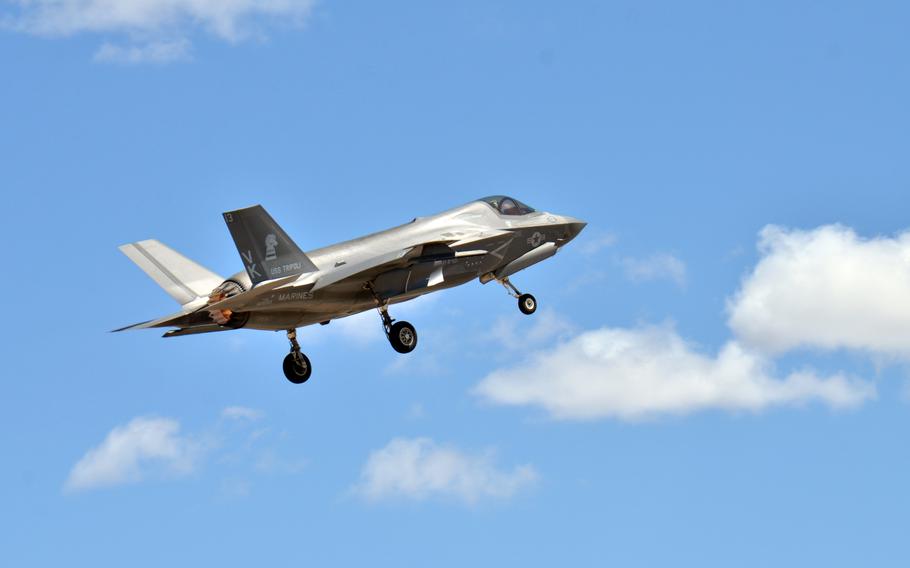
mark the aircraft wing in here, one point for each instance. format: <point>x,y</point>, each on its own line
<point>365,270</point>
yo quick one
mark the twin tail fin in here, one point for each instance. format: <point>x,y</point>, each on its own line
<point>266,250</point>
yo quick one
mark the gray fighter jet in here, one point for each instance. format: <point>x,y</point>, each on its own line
<point>283,288</point>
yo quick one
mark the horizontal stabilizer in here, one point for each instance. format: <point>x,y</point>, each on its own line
<point>180,319</point>
<point>267,251</point>
<point>194,330</point>
<point>183,279</point>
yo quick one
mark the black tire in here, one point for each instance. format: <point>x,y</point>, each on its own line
<point>527,304</point>
<point>297,369</point>
<point>403,337</point>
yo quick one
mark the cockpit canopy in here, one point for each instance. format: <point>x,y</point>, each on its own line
<point>505,205</point>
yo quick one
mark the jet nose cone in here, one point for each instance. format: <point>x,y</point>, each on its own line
<point>575,227</point>
<point>572,227</point>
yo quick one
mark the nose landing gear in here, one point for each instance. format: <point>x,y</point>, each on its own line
<point>296,365</point>
<point>526,302</point>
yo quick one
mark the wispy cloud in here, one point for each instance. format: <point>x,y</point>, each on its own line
<point>416,411</point>
<point>419,468</point>
<point>155,448</point>
<point>515,333</point>
<point>241,413</point>
<point>596,243</point>
<point>633,374</point>
<point>152,52</point>
<point>826,288</point>
<point>129,453</point>
<point>271,462</point>
<point>659,266</point>
<point>155,30</point>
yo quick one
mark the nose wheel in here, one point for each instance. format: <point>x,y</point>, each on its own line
<point>526,302</point>
<point>296,365</point>
<point>402,335</point>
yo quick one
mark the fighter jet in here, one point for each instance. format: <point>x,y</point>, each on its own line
<point>282,288</point>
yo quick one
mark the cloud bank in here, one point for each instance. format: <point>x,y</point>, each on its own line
<point>418,468</point>
<point>633,374</point>
<point>826,288</point>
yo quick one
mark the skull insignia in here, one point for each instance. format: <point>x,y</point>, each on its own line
<point>271,246</point>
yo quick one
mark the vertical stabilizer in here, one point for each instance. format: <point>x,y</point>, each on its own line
<point>180,277</point>
<point>266,250</point>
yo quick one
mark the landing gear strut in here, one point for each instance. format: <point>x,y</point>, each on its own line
<point>296,365</point>
<point>526,302</point>
<point>401,334</point>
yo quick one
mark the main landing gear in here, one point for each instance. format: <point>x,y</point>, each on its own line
<point>296,365</point>
<point>402,335</point>
<point>526,302</point>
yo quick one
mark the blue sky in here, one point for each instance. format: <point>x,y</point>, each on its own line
<point>717,372</point>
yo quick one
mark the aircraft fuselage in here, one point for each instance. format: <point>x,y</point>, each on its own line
<point>432,266</point>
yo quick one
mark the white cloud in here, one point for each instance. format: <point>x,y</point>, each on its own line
<point>419,468</point>
<point>154,448</point>
<point>153,52</point>
<point>270,461</point>
<point>826,288</point>
<point>241,413</point>
<point>234,488</point>
<point>595,244</point>
<point>515,333</point>
<point>658,266</point>
<point>129,453</point>
<point>158,28</point>
<point>633,374</point>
